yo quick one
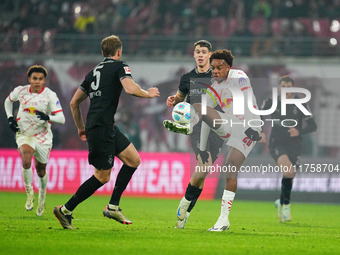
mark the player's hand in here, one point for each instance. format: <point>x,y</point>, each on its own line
<point>82,135</point>
<point>263,138</point>
<point>293,132</point>
<point>42,116</point>
<point>153,92</point>
<point>13,124</point>
<point>204,155</point>
<point>253,134</point>
<point>170,101</point>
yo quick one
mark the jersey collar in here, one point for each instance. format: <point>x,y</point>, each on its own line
<point>30,90</point>
<point>196,70</point>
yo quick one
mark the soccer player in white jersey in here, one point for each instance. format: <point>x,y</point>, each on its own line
<point>39,106</point>
<point>239,136</point>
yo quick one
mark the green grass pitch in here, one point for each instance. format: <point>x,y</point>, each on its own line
<point>315,228</point>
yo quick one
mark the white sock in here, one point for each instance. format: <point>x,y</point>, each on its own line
<point>65,211</point>
<point>28,178</point>
<point>113,207</point>
<point>227,200</point>
<point>42,185</point>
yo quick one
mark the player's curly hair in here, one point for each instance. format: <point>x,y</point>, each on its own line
<point>223,54</point>
<point>36,69</point>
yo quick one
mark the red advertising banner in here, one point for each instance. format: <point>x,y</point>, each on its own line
<point>159,175</point>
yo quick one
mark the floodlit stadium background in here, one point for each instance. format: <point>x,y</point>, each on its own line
<point>268,39</point>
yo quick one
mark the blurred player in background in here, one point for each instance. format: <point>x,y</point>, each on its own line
<point>240,138</point>
<point>39,106</point>
<point>202,53</point>
<point>285,143</point>
<point>103,85</point>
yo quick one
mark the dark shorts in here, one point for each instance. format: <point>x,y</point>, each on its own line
<point>105,143</point>
<point>293,151</point>
<point>214,143</point>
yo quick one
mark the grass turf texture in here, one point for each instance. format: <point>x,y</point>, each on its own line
<point>254,228</point>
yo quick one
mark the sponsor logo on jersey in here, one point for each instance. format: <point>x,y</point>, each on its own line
<point>30,110</point>
<point>127,70</point>
<point>242,81</point>
<point>57,103</point>
<point>226,102</point>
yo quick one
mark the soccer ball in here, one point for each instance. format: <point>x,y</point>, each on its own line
<point>181,113</point>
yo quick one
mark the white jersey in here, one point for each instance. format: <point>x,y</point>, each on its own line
<point>233,130</point>
<point>221,94</point>
<point>29,124</point>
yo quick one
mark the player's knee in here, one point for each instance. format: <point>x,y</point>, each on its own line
<point>104,179</point>
<point>26,164</point>
<point>41,172</point>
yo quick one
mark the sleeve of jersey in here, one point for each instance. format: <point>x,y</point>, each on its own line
<point>85,86</point>
<point>184,85</point>
<point>248,94</point>
<point>124,71</point>
<point>310,123</point>
<point>55,105</point>
<point>14,95</point>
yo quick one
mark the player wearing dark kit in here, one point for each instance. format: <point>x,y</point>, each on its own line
<point>103,85</point>
<point>189,88</point>
<point>285,143</point>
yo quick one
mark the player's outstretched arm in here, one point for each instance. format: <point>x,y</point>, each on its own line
<point>79,96</point>
<point>132,88</point>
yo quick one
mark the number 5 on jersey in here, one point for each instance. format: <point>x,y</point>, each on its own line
<point>96,74</point>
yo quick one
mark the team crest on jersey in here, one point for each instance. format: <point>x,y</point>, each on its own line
<point>127,70</point>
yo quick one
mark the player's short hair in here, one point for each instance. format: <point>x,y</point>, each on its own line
<point>36,69</point>
<point>223,54</point>
<point>286,78</point>
<point>203,43</point>
<point>110,45</point>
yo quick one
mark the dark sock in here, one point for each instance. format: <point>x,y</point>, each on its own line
<point>193,202</point>
<point>192,193</point>
<point>123,178</point>
<point>286,188</point>
<point>84,191</point>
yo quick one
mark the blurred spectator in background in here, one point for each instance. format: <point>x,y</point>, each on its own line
<point>23,20</point>
<point>86,22</point>
<point>241,40</point>
<point>263,7</point>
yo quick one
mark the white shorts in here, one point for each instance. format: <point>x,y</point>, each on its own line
<point>41,150</point>
<point>234,135</point>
